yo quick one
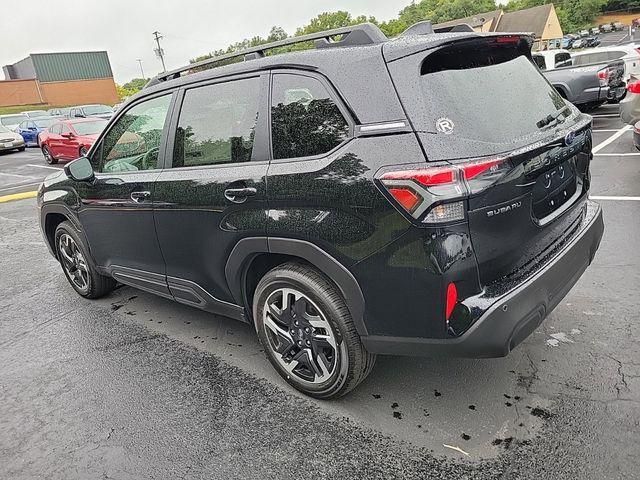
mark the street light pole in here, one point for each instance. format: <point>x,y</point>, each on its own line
<point>159,51</point>
<point>141,70</point>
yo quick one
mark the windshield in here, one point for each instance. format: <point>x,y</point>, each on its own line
<point>37,113</point>
<point>89,128</point>
<point>97,109</point>
<point>13,119</point>
<point>44,122</point>
<point>477,100</point>
<point>4,129</point>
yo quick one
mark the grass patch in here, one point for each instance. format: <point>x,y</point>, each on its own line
<point>23,108</point>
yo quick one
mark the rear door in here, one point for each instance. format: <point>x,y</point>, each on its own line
<point>483,99</point>
<point>213,191</point>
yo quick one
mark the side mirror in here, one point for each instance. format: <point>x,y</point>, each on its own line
<point>33,129</point>
<point>67,135</point>
<point>79,170</point>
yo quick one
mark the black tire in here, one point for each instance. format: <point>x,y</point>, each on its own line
<point>48,156</point>
<point>351,363</point>
<point>22,149</point>
<point>96,285</point>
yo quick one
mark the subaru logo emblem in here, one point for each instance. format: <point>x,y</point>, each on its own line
<point>569,138</point>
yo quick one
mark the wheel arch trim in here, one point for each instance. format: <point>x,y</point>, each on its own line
<point>247,249</point>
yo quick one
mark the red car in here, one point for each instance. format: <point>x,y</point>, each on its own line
<point>69,139</point>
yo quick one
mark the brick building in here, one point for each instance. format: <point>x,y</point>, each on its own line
<point>59,79</point>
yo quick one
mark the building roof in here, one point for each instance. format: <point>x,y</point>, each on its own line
<point>528,20</point>
<point>474,20</point>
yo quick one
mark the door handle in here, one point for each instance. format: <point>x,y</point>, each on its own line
<point>140,196</point>
<point>239,195</point>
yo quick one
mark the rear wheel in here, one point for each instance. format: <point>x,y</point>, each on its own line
<point>76,265</point>
<point>307,332</point>
<point>22,149</point>
<point>48,156</point>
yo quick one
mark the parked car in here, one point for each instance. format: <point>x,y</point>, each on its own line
<point>617,25</point>
<point>70,139</point>
<point>59,112</point>
<point>590,42</point>
<point>10,140</point>
<point>566,42</point>
<point>628,53</point>
<point>585,86</point>
<point>584,33</point>
<point>594,31</point>
<point>12,121</point>
<point>579,43</point>
<point>36,113</point>
<point>361,244</point>
<point>605,27</point>
<point>630,105</point>
<point>83,111</point>
<point>30,129</point>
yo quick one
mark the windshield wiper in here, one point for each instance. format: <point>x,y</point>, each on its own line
<point>552,118</point>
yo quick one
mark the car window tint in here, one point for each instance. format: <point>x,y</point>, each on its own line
<point>217,123</point>
<point>55,129</point>
<point>305,121</point>
<point>133,142</point>
<point>539,61</point>
<point>615,55</point>
<point>65,129</point>
<point>562,59</point>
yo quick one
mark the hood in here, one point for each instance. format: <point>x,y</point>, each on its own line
<point>13,136</point>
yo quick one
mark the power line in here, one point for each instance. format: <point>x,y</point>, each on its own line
<point>159,51</point>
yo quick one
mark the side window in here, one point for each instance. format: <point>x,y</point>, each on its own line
<point>217,123</point>
<point>55,129</point>
<point>539,61</point>
<point>562,59</point>
<point>615,55</point>
<point>65,129</point>
<point>305,120</point>
<point>133,142</point>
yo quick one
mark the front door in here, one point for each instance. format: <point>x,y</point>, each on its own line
<point>214,192</point>
<point>117,209</point>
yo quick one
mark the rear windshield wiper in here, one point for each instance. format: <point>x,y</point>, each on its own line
<point>552,118</point>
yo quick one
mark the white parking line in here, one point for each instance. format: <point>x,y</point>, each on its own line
<point>621,199</point>
<point>606,130</point>
<point>613,137</point>
<point>43,166</point>
<point>606,115</point>
<point>16,175</point>
<point>15,187</point>
<point>616,154</point>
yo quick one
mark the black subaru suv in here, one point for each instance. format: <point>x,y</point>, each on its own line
<point>424,195</point>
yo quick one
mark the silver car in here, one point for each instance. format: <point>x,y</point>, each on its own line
<point>630,104</point>
<point>10,140</point>
<point>13,120</point>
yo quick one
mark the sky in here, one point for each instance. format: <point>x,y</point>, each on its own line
<point>190,28</point>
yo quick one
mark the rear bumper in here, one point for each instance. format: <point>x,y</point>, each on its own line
<point>512,317</point>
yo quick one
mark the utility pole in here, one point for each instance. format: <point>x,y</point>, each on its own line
<point>141,70</point>
<point>159,51</point>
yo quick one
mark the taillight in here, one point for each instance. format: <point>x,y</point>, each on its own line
<point>434,194</point>
<point>634,87</point>
<point>603,77</point>
<point>451,300</point>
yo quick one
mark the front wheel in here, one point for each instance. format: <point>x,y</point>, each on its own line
<point>48,156</point>
<point>307,332</point>
<point>74,259</point>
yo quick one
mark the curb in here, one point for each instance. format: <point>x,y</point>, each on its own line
<point>18,196</point>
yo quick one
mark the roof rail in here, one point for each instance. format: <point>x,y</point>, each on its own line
<point>421,28</point>
<point>361,34</point>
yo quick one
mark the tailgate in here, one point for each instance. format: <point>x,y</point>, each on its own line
<point>480,98</point>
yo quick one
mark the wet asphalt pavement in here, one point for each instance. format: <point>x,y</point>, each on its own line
<point>134,386</point>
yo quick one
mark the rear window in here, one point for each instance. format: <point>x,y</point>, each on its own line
<point>89,128</point>
<point>13,119</point>
<point>478,98</point>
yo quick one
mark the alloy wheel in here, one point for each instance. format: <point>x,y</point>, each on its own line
<point>302,340</point>
<point>47,155</point>
<point>73,262</point>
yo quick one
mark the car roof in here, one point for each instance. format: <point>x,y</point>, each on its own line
<point>626,47</point>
